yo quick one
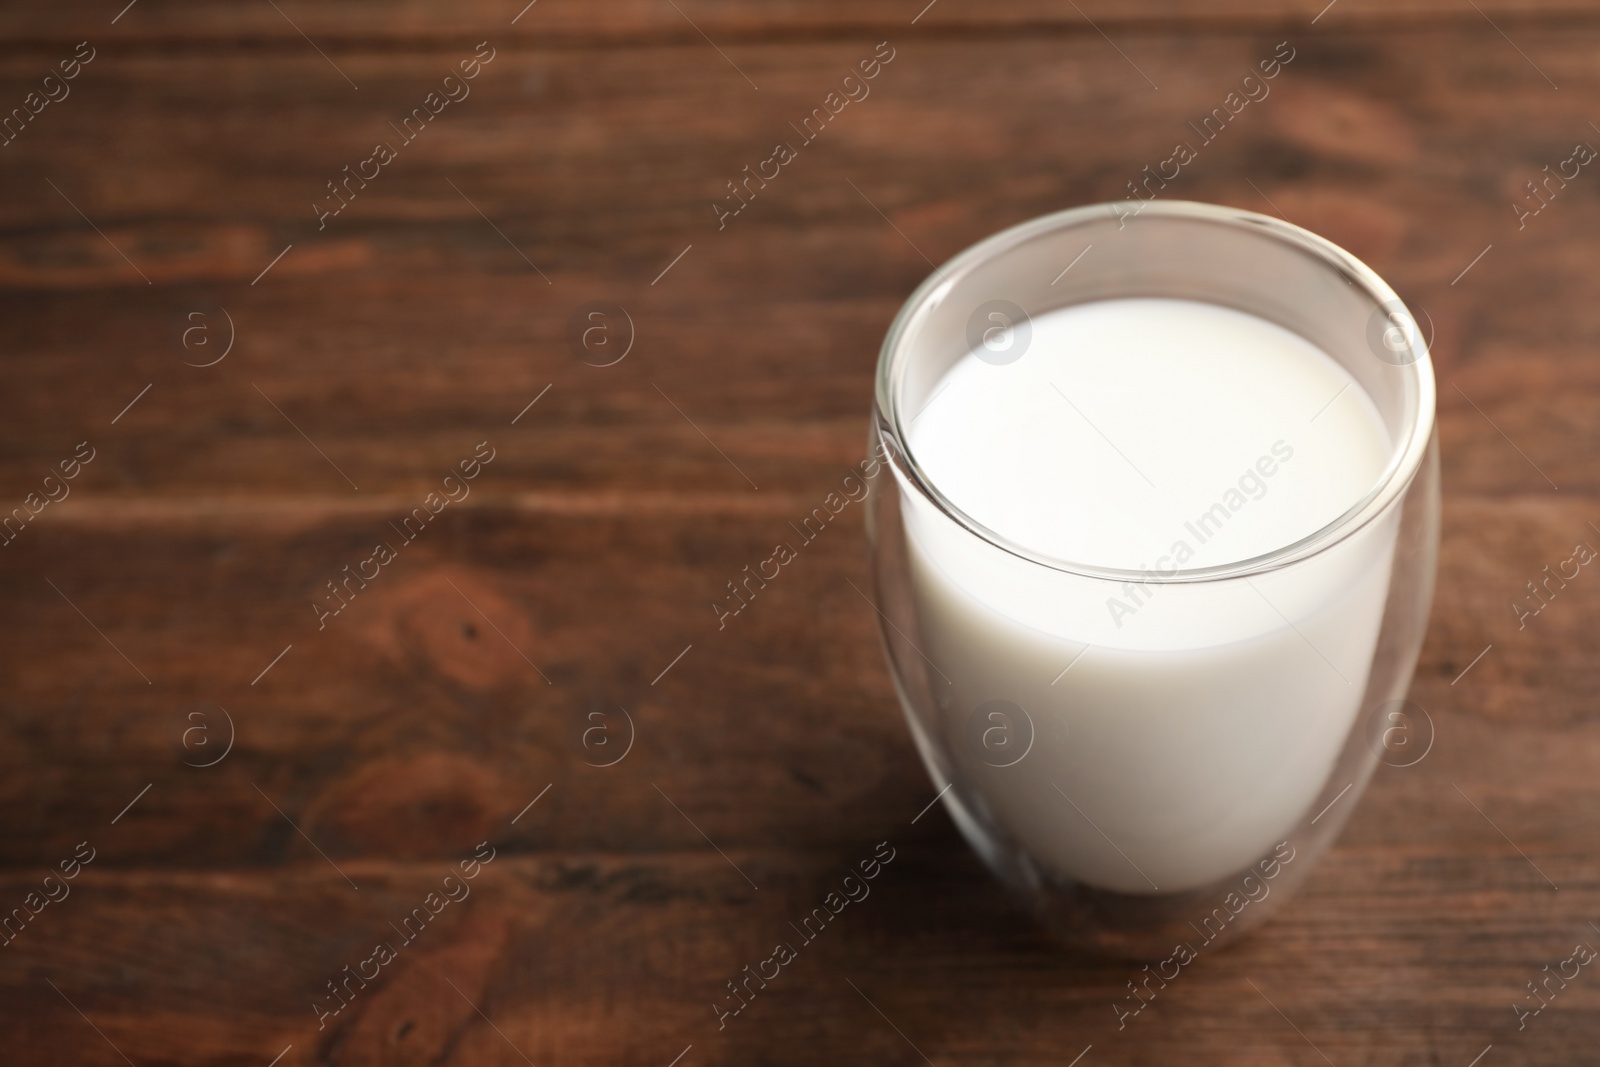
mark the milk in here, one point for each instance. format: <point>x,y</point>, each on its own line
<point>1169,733</point>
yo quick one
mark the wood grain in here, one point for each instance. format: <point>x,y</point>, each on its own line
<point>378,352</point>
<point>355,25</point>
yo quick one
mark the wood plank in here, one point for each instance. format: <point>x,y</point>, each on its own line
<point>428,692</point>
<point>349,333</point>
<point>359,24</point>
<point>593,958</point>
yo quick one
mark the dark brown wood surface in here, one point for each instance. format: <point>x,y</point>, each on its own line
<point>164,607</point>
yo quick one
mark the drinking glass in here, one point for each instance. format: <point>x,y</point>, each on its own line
<point>1171,783</point>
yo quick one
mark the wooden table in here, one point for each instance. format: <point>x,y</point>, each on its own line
<point>265,789</point>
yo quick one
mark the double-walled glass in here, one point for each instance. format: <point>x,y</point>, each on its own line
<point>1174,781</point>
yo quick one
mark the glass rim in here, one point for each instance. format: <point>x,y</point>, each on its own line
<point>1407,453</point>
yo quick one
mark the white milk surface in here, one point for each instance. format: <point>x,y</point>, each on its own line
<point>1173,733</point>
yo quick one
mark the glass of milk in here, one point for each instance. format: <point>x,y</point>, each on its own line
<point>1154,556</point>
